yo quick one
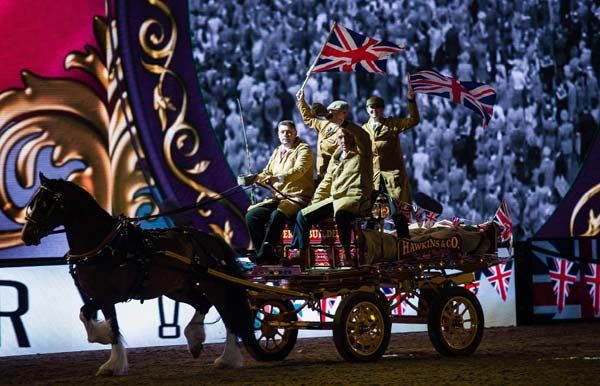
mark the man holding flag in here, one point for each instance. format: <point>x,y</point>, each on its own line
<point>389,171</point>
<point>344,50</point>
<point>325,128</point>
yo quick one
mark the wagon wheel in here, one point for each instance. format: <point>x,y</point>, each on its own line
<point>455,322</point>
<point>269,342</point>
<point>362,327</point>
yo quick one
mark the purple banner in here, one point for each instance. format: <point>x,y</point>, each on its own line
<point>579,212</point>
<point>182,152</point>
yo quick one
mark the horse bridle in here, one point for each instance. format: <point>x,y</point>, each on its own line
<point>56,202</point>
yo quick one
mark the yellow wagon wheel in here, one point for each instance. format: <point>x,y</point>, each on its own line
<point>273,339</point>
<point>362,327</point>
<point>455,324</point>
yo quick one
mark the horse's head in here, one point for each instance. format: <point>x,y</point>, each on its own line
<point>44,212</point>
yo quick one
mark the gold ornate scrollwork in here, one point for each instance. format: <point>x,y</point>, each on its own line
<point>45,115</point>
<point>226,232</point>
<point>130,184</point>
<point>72,120</point>
<point>593,221</point>
<point>179,135</point>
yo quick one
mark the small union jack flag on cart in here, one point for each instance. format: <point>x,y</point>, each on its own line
<point>431,218</point>
<point>454,223</point>
<point>404,208</point>
<point>348,51</point>
<point>476,96</point>
<point>502,218</point>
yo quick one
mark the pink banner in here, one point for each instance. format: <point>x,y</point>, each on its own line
<point>38,34</point>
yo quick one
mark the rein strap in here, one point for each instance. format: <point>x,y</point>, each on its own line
<point>184,259</point>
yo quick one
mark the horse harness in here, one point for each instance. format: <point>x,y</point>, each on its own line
<point>127,242</point>
<point>135,246</point>
<point>111,246</point>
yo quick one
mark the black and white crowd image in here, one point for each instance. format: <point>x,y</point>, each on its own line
<point>541,57</point>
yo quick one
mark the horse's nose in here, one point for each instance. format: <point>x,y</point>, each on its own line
<point>29,235</point>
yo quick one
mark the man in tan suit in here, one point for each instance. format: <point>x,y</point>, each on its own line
<point>389,171</point>
<point>290,172</point>
<point>344,192</point>
<point>325,128</point>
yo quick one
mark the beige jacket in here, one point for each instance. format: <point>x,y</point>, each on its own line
<point>388,160</point>
<point>295,172</point>
<point>348,183</point>
<point>326,130</point>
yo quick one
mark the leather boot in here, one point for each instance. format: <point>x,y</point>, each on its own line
<point>267,255</point>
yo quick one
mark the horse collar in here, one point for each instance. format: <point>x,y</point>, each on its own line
<point>74,258</point>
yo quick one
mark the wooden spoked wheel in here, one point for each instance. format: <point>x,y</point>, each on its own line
<point>455,324</point>
<point>272,340</point>
<point>362,327</point>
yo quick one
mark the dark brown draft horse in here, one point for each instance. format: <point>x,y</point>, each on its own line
<point>113,260</point>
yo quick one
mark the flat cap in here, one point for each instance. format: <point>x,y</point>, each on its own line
<point>318,109</point>
<point>375,102</point>
<point>338,106</point>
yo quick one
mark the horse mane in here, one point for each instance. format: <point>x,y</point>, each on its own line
<point>76,193</point>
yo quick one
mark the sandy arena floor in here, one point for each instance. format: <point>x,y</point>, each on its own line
<point>559,354</point>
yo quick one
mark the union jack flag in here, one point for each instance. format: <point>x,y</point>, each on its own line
<point>348,51</point>
<point>404,208</point>
<point>502,218</point>
<point>474,285</point>
<point>593,281</point>
<point>478,97</point>
<point>558,281</point>
<point>395,298</point>
<point>454,223</point>
<point>499,277</point>
<point>431,217</point>
<point>562,281</point>
<point>328,305</point>
<point>419,212</point>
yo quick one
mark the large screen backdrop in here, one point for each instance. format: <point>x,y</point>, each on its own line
<point>123,115</point>
<point>109,98</point>
<point>118,110</point>
<point>541,57</point>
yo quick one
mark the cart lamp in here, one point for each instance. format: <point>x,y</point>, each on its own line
<point>381,207</point>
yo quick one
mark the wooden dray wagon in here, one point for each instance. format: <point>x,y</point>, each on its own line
<point>429,273</point>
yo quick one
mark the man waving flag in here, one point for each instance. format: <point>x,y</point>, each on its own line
<point>476,96</point>
<point>348,51</point>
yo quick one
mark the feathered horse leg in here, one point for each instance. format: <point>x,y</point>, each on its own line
<point>195,334</point>
<point>232,355</point>
<point>97,332</point>
<point>117,363</point>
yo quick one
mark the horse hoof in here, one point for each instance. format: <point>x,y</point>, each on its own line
<point>111,369</point>
<point>107,372</point>
<point>232,363</point>
<point>104,372</point>
<point>196,351</point>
